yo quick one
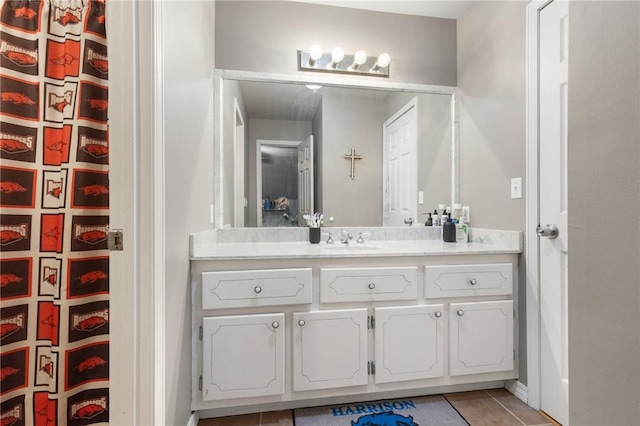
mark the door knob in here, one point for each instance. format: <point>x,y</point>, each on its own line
<point>549,231</point>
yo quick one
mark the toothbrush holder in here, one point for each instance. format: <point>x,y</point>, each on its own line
<point>314,235</point>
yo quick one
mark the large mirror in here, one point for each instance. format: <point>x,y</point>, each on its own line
<point>367,153</point>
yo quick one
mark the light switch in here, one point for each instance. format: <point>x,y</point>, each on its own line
<point>516,188</point>
<point>420,197</point>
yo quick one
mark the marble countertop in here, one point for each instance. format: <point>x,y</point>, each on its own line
<point>215,245</point>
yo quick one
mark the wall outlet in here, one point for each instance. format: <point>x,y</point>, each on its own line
<point>516,188</point>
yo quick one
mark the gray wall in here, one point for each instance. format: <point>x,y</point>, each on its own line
<point>188,136</point>
<point>277,130</point>
<point>352,119</point>
<point>604,171</point>
<point>491,79</point>
<point>266,35</point>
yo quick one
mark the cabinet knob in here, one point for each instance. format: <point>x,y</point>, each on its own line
<point>473,281</point>
<point>301,323</point>
<point>257,289</point>
<point>371,286</point>
<point>275,324</point>
<point>460,313</point>
<point>438,314</point>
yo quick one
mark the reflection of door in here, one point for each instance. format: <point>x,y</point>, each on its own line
<point>554,380</point>
<point>305,178</point>
<point>400,166</point>
<point>240,201</point>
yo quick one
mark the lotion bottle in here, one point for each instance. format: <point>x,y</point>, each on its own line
<point>462,232</point>
<point>429,221</point>
<point>435,218</point>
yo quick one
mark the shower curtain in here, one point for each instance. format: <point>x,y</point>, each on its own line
<point>54,196</point>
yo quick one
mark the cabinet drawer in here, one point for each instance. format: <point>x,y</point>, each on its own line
<point>368,284</point>
<point>468,280</point>
<point>236,289</point>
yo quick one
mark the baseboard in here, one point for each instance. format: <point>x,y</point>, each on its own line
<point>518,389</point>
<point>194,419</point>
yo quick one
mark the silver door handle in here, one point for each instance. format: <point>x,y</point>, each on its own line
<point>549,231</point>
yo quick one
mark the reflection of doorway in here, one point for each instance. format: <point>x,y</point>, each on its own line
<point>276,179</point>
<point>400,173</point>
<point>239,199</point>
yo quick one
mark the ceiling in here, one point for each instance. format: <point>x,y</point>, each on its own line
<point>451,9</point>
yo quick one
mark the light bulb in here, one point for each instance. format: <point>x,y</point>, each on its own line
<point>315,52</point>
<point>337,54</point>
<point>383,60</point>
<point>360,57</point>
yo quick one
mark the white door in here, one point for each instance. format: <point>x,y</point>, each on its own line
<point>243,356</point>
<point>305,179</point>
<point>329,349</point>
<point>409,343</point>
<point>554,39</point>
<point>481,337</point>
<point>400,166</point>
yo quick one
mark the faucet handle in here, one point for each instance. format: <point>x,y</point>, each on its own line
<point>330,239</point>
<point>360,239</point>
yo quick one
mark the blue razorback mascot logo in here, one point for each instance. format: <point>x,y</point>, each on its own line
<point>388,418</point>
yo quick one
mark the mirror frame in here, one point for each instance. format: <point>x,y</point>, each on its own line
<point>326,80</point>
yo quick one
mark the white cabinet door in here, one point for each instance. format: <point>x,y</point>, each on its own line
<point>243,356</point>
<point>409,343</point>
<point>481,337</point>
<point>329,349</point>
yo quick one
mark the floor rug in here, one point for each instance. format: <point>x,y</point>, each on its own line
<point>423,411</point>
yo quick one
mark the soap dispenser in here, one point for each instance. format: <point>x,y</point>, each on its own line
<point>429,221</point>
<point>448,231</point>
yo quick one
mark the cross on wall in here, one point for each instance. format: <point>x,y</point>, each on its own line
<point>352,156</point>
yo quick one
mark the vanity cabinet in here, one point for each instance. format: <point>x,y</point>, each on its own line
<point>329,349</point>
<point>243,356</point>
<point>282,333</point>
<point>481,337</point>
<point>409,343</point>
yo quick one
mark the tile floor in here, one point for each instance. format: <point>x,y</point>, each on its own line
<point>495,407</point>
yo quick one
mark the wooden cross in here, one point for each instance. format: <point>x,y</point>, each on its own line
<point>353,157</point>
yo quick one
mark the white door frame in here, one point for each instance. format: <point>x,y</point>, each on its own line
<point>238,156</point>
<point>259,143</point>
<point>532,244</point>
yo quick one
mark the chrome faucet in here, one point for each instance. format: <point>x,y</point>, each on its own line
<point>409,221</point>
<point>344,237</point>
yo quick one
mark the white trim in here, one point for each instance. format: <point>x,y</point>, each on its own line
<point>531,249</point>
<point>334,81</point>
<point>218,128</point>
<point>519,390</point>
<point>194,419</point>
<point>158,215</point>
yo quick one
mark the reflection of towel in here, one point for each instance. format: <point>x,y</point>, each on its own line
<point>281,203</point>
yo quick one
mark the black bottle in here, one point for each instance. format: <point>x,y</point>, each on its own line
<point>449,231</point>
<point>429,221</point>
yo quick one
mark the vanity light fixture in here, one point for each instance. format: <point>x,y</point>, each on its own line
<point>337,55</point>
<point>359,63</point>
<point>383,61</point>
<point>315,53</point>
<point>358,59</point>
